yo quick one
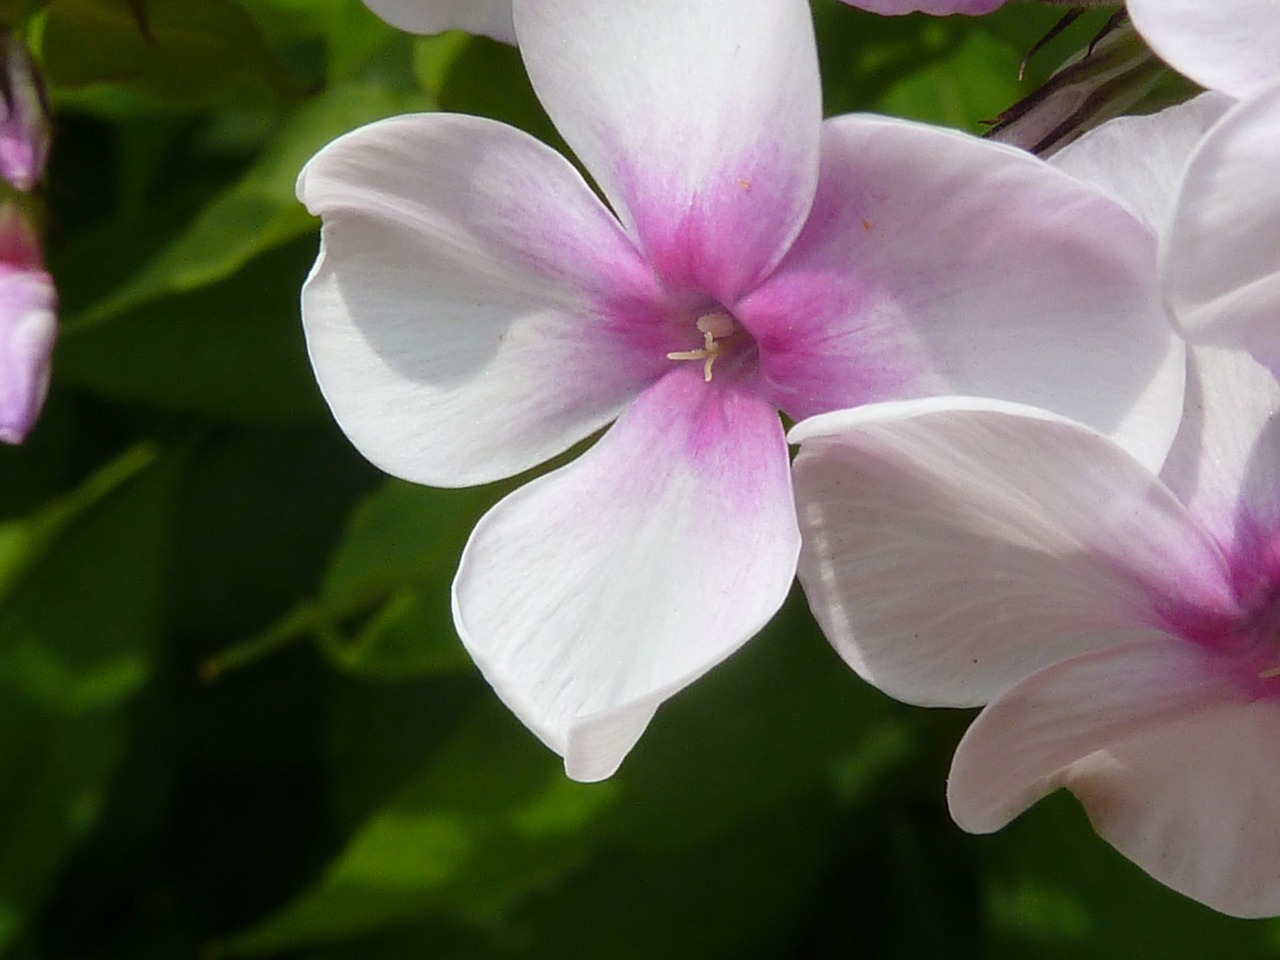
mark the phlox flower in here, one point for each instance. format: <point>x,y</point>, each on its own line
<point>28,326</point>
<point>476,309</point>
<point>1122,627</point>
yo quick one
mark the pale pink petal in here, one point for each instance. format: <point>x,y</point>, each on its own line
<point>1221,263</point>
<point>699,121</point>
<point>1033,738</point>
<point>1225,461</point>
<point>952,547</point>
<point>1140,160</point>
<point>1227,45</point>
<point>936,7</point>
<point>489,17</point>
<point>28,328</point>
<point>1194,803</point>
<point>935,262</point>
<point>592,594</point>
<point>475,309</point>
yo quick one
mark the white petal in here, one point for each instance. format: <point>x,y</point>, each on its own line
<point>935,262</point>
<point>475,309</point>
<point>1225,461</point>
<point>489,17</point>
<point>1140,160</point>
<point>700,121</point>
<point>1024,744</point>
<point>592,594</point>
<point>1194,804</point>
<point>1221,264</point>
<point>1227,45</point>
<point>953,547</point>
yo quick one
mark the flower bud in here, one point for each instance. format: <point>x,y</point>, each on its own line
<point>24,116</point>
<point>28,326</point>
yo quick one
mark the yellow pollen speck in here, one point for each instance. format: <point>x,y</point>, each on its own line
<point>1269,673</point>
<point>715,328</point>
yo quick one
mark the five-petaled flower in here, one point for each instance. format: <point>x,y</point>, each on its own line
<point>1123,627</point>
<point>476,309</point>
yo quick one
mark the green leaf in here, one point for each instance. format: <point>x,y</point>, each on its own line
<point>485,823</point>
<point>972,82</point>
<point>178,53</point>
<point>1049,881</point>
<point>260,211</point>
<point>75,638</point>
<point>400,534</point>
<point>391,573</point>
<point>231,351</point>
<point>491,819</point>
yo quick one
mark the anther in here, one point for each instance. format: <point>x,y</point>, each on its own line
<point>715,328</point>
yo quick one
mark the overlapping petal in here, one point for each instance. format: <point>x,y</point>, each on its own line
<point>1194,803</point>
<point>952,547</point>
<point>489,17</point>
<point>465,316</point>
<point>936,262</point>
<point>1221,264</point>
<point>1028,742</point>
<point>1227,45</point>
<point>590,595</point>
<point>1225,462</point>
<point>708,151</point>
<point>1140,160</point>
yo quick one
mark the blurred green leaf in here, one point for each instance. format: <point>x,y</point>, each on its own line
<point>490,819</point>
<point>233,350</point>
<point>486,822</point>
<point>972,82</point>
<point>75,640</point>
<point>399,534</point>
<point>179,53</point>
<point>260,211</point>
<point>391,574</point>
<point>1052,887</point>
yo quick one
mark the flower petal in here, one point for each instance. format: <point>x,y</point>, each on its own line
<point>952,547</point>
<point>935,262</point>
<point>465,317</point>
<point>1225,461</point>
<point>1221,264</point>
<point>1028,742</point>
<point>700,121</point>
<point>594,593</point>
<point>28,328</point>
<point>1140,160</point>
<point>1227,45</point>
<point>489,17</point>
<point>1194,804</point>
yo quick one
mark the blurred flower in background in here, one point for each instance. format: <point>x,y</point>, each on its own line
<point>28,325</point>
<point>25,131</point>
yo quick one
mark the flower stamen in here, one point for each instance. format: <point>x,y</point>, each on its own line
<point>716,328</point>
